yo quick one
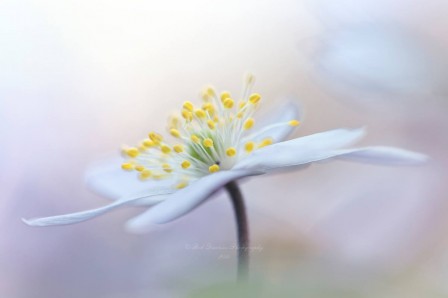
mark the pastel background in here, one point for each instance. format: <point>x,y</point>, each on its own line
<point>80,78</point>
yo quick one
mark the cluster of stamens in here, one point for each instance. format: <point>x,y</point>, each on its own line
<point>211,138</point>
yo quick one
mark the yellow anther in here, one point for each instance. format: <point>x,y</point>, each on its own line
<point>142,148</point>
<point>231,152</point>
<point>127,166</point>
<point>265,142</point>
<point>254,98</point>
<point>148,143</point>
<point>214,168</point>
<point>225,95</point>
<point>195,139</point>
<point>205,96</point>
<point>139,168</point>
<point>175,133</point>
<point>249,147</point>
<point>228,103</point>
<point>216,118</point>
<point>155,137</point>
<point>240,115</point>
<point>165,149</point>
<point>293,123</point>
<point>208,143</point>
<point>145,174</point>
<point>167,168</point>
<point>200,113</point>
<point>185,164</point>
<point>178,148</point>
<point>249,123</point>
<point>187,115</point>
<point>209,107</point>
<point>188,105</point>
<point>211,124</point>
<point>173,121</point>
<point>241,104</point>
<point>210,92</point>
<point>132,152</point>
<point>182,184</point>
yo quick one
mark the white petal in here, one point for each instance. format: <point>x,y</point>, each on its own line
<point>283,113</point>
<point>383,155</point>
<point>301,150</point>
<point>72,218</point>
<point>107,179</point>
<point>184,200</point>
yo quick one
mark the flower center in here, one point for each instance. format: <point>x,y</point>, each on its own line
<point>210,137</point>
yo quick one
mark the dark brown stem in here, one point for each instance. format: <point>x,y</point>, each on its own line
<point>242,229</point>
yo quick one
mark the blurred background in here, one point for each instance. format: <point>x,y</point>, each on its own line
<point>80,78</point>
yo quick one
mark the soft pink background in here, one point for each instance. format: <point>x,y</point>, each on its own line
<point>80,78</point>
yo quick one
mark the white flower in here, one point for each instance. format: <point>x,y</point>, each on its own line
<point>217,143</point>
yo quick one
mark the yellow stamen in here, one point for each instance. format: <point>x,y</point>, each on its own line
<point>188,105</point>
<point>182,184</point>
<point>139,168</point>
<point>205,96</point>
<point>208,143</point>
<point>231,151</point>
<point>228,103</point>
<point>132,152</point>
<point>293,123</point>
<point>195,139</point>
<point>241,105</point>
<point>214,168</point>
<point>145,174</point>
<point>173,121</point>
<point>248,123</point>
<point>155,137</point>
<point>265,142</point>
<point>187,115</point>
<point>240,115</point>
<point>211,124</point>
<point>225,95</point>
<point>249,147</point>
<point>200,113</point>
<point>167,168</point>
<point>178,148</point>
<point>254,98</point>
<point>127,166</point>
<point>209,107</point>
<point>165,149</point>
<point>175,133</point>
<point>210,92</point>
<point>148,143</point>
<point>185,164</point>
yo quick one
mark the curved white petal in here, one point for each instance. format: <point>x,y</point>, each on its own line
<point>284,113</point>
<point>382,155</point>
<point>107,179</point>
<point>72,218</point>
<point>184,200</point>
<point>301,150</point>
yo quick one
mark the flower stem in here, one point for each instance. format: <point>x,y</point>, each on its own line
<point>242,229</point>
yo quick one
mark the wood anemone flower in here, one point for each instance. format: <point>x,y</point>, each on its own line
<point>217,143</point>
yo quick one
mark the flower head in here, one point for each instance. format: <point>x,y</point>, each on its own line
<point>209,138</point>
<point>216,142</point>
